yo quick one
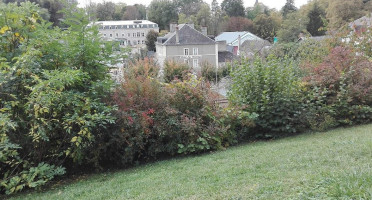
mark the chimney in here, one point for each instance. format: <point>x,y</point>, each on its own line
<point>177,35</point>
<point>172,27</point>
<point>204,30</point>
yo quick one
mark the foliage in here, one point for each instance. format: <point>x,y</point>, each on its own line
<point>316,25</point>
<point>271,89</point>
<point>210,72</point>
<point>233,8</point>
<point>266,27</point>
<point>289,7</point>
<point>293,25</point>
<point>151,38</point>
<point>53,83</point>
<point>162,12</point>
<point>162,119</point>
<point>239,24</point>
<point>175,71</point>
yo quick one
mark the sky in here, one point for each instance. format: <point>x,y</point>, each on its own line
<point>278,4</point>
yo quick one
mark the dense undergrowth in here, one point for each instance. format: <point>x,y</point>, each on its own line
<point>60,112</point>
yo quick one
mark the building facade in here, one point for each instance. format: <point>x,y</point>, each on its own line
<point>187,45</point>
<point>128,33</point>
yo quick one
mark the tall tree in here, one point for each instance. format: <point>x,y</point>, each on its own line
<point>216,18</point>
<point>204,15</point>
<point>151,38</point>
<point>162,12</point>
<point>256,10</point>
<point>105,11</point>
<point>267,26</point>
<point>233,8</point>
<point>292,27</point>
<point>288,8</point>
<point>131,13</point>
<point>239,24</point>
<point>188,7</point>
<point>316,20</point>
<point>341,12</point>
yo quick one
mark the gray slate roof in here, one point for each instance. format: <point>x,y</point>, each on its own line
<point>188,35</point>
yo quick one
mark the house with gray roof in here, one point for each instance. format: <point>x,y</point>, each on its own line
<point>234,40</point>
<point>362,23</point>
<point>185,44</point>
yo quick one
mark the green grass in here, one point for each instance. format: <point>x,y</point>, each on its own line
<point>330,165</point>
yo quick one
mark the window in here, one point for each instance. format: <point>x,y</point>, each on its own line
<point>138,34</point>
<point>195,51</point>
<point>122,35</point>
<point>143,34</point>
<point>128,34</point>
<point>110,35</point>
<point>139,42</point>
<point>195,63</point>
<point>104,35</point>
<point>186,51</point>
<point>143,41</point>
<point>117,34</point>
<point>134,34</point>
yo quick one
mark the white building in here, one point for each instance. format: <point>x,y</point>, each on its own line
<point>128,33</point>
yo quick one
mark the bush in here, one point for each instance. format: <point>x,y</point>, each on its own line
<point>209,72</point>
<point>271,89</point>
<point>344,79</point>
<point>156,119</point>
<point>174,70</point>
<point>52,87</point>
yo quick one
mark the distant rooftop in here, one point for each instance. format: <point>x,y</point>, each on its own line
<point>187,35</point>
<point>232,38</point>
<point>364,21</point>
<point>126,22</point>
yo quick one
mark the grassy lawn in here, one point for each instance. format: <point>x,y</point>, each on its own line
<point>330,165</point>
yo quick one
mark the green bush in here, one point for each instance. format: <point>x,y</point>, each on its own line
<point>271,89</point>
<point>209,73</point>
<point>175,70</point>
<point>52,89</point>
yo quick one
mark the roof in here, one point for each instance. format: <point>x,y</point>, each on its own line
<point>187,35</point>
<point>232,38</point>
<point>364,21</point>
<point>225,56</point>
<point>125,22</point>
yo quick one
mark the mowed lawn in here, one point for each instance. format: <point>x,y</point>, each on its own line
<point>329,165</point>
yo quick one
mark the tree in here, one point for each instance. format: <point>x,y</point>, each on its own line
<point>256,10</point>
<point>216,18</point>
<point>105,11</point>
<point>341,12</point>
<point>203,17</point>
<point>239,24</point>
<point>131,13</point>
<point>188,7</point>
<point>52,86</point>
<point>288,8</point>
<point>141,10</point>
<point>162,12</point>
<point>233,8</point>
<point>151,38</point>
<point>316,20</point>
<point>292,27</point>
<point>266,26</point>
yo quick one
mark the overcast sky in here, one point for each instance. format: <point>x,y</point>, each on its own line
<point>278,4</point>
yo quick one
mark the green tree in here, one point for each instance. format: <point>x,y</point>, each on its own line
<point>292,27</point>
<point>341,12</point>
<point>162,12</point>
<point>317,15</point>
<point>151,38</point>
<point>52,91</point>
<point>256,10</point>
<point>105,11</point>
<point>188,7</point>
<point>203,16</point>
<point>216,18</point>
<point>266,26</point>
<point>233,8</point>
<point>289,7</point>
